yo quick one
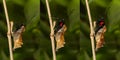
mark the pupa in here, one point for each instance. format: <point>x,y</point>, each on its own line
<point>60,29</point>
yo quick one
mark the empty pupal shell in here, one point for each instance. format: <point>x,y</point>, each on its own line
<point>17,37</point>
<point>99,37</point>
<point>59,37</point>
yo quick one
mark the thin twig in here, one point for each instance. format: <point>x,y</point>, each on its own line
<point>11,27</point>
<point>91,31</point>
<point>8,33</point>
<point>52,31</point>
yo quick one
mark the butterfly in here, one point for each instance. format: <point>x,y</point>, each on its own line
<point>17,37</point>
<point>100,29</point>
<point>60,29</point>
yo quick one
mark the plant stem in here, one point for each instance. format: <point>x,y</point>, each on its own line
<point>8,33</point>
<point>91,31</point>
<point>52,31</point>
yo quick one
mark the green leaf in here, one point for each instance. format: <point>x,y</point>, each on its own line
<point>18,56</point>
<point>41,55</point>
<point>74,16</point>
<point>62,2</point>
<point>84,56</point>
<point>4,56</point>
<point>114,15</point>
<point>102,3</point>
<point>32,13</point>
<point>118,56</point>
<point>3,26</point>
<point>19,2</point>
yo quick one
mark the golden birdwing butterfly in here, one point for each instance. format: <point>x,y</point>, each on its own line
<point>59,37</point>
<point>17,37</point>
<point>100,38</point>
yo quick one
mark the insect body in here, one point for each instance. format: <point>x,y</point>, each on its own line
<point>17,37</point>
<point>100,29</point>
<point>60,29</point>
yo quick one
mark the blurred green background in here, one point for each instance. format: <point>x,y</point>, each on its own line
<point>110,10</point>
<point>37,44</point>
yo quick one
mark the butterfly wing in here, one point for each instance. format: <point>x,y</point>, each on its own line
<point>17,37</point>
<point>59,37</point>
<point>99,37</point>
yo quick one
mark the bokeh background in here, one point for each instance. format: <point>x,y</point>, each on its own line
<point>37,44</point>
<point>109,10</point>
<point>69,10</point>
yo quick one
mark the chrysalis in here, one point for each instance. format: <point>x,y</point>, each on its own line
<point>60,29</point>
<point>100,29</point>
<point>17,37</point>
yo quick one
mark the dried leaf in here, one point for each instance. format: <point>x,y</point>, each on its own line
<point>100,38</point>
<point>59,37</point>
<point>17,37</point>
